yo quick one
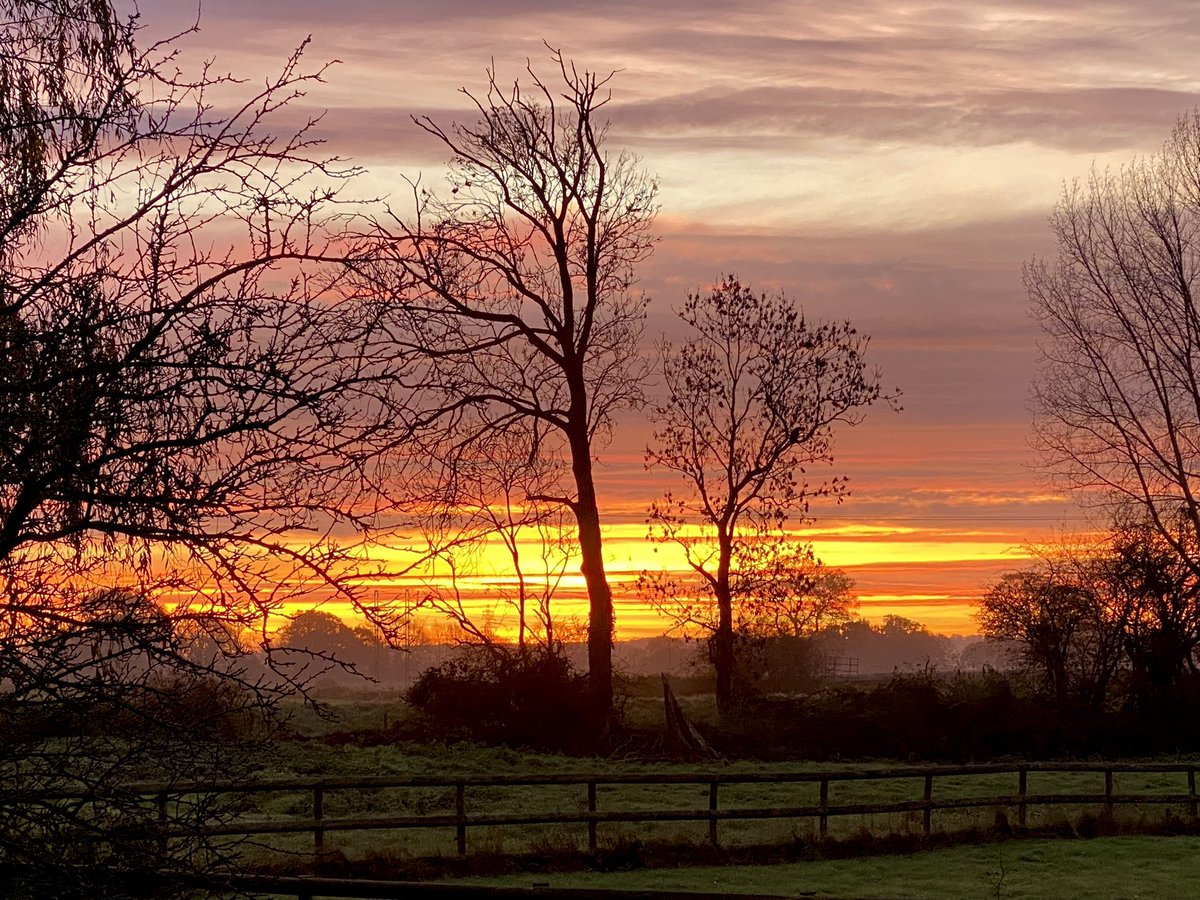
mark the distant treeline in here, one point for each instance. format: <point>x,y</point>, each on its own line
<point>855,649</point>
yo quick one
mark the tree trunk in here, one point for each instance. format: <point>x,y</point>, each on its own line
<point>723,659</point>
<point>600,606</point>
<point>1061,681</point>
<point>722,655</point>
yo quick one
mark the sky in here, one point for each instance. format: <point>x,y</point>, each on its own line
<point>891,163</point>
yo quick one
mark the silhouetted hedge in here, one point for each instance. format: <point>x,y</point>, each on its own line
<point>194,708</point>
<point>963,717</point>
<point>535,698</point>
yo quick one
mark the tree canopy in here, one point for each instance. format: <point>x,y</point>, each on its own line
<point>750,404</point>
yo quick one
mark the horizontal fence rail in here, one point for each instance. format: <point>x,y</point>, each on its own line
<point>309,888</point>
<point>159,797</point>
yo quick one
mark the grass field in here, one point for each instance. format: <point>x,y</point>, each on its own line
<point>870,857</point>
<point>1121,865</point>
<point>1115,868</point>
<point>313,758</point>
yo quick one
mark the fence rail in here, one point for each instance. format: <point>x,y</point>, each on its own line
<point>309,888</point>
<point>160,795</point>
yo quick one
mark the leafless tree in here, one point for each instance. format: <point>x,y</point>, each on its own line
<point>186,413</point>
<point>751,402</point>
<point>1118,392</point>
<point>510,296</point>
<point>496,499</point>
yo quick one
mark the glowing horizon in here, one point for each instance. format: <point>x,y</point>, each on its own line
<point>939,572</point>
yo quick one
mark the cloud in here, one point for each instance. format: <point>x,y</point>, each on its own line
<point>804,117</point>
<point>771,112</point>
<point>890,163</point>
<point>1077,75</point>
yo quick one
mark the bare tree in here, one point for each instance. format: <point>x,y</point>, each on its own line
<point>184,414</point>
<point>496,498</point>
<point>510,296</point>
<point>751,402</point>
<point>1118,392</point>
<point>167,381</point>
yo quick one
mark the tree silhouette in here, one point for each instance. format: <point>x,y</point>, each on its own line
<point>509,297</point>
<point>498,499</point>
<point>1118,395</point>
<point>750,403</point>
<point>1158,592</point>
<point>1124,608</point>
<point>1061,626</point>
<point>185,413</point>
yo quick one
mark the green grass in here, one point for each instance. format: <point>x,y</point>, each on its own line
<point>346,711</point>
<point>317,759</point>
<point>1116,868</point>
<point>314,757</point>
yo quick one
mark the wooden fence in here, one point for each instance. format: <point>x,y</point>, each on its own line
<point>309,888</point>
<point>460,818</point>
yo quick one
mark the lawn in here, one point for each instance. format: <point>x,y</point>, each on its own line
<point>1115,868</point>
<point>307,759</point>
<point>314,755</point>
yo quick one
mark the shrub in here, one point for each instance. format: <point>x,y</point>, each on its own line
<point>532,698</point>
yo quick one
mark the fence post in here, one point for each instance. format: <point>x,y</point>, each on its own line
<point>1022,790</point>
<point>823,821</point>
<point>1108,791</point>
<point>318,808</point>
<point>162,823</point>
<point>591,815</point>
<point>712,812</point>
<point>1192,788</point>
<point>460,812</point>
<point>928,804</point>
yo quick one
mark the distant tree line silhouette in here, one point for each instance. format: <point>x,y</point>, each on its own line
<point>1106,623</point>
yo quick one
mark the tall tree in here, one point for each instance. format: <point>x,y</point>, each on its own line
<point>182,413</point>
<point>510,296</point>
<point>1118,392</point>
<point>751,401</point>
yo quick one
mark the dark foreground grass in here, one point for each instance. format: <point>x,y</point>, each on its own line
<point>1112,868</point>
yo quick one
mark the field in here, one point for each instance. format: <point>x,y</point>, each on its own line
<point>652,843</point>
<point>419,760</point>
<point>1116,868</point>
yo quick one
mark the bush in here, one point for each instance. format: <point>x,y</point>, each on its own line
<point>771,664</point>
<point>533,698</point>
<point>923,716</point>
